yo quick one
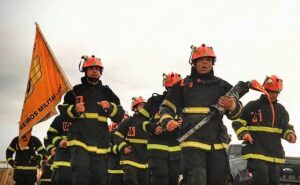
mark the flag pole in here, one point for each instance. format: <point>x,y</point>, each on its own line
<point>54,58</point>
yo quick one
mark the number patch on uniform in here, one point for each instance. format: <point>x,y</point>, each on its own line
<point>131,131</point>
<point>66,126</point>
<point>256,117</point>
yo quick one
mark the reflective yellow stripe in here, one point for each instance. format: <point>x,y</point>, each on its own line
<point>287,132</point>
<point>163,147</point>
<point>221,146</point>
<point>144,113</point>
<point>263,157</point>
<point>52,130</point>
<point>40,148</point>
<point>240,130</point>
<point>138,141</point>
<point>195,144</point>
<point>115,147</point>
<point>55,139</point>
<point>10,159</point>
<point>88,148</point>
<point>69,112</point>
<point>145,123</point>
<point>196,110</point>
<point>121,145</point>
<point>94,116</point>
<point>116,171</point>
<point>157,116</point>
<point>165,117</point>
<point>169,104</point>
<point>50,147</point>
<point>117,133</point>
<point>115,110</point>
<point>10,148</point>
<point>61,163</point>
<point>241,121</point>
<point>26,167</point>
<point>45,180</point>
<point>135,164</point>
<point>265,129</point>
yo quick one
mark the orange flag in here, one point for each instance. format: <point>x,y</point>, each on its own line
<point>46,85</point>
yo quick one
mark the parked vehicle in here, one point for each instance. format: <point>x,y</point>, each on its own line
<point>289,171</point>
<point>238,166</point>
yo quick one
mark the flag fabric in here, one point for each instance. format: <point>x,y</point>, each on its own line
<point>46,85</point>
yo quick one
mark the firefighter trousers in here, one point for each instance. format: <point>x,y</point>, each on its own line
<point>263,173</point>
<point>88,168</point>
<point>46,176</point>
<point>62,176</point>
<point>164,171</point>
<point>25,177</point>
<point>205,167</point>
<point>135,176</point>
<point>115,179</point>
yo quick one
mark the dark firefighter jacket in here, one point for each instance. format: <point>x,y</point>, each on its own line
<point>165,144</point>
<point>90,130</point>
<point>130,133</point>
<point>29,158</point>
<point>256,119</point>
<point>57,132</point>
<point>194,96</point>
<point>114,166</point>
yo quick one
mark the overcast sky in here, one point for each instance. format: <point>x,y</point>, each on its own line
<point>139,40</point>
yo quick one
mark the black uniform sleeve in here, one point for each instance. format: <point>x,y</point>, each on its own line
<point>172,103</point>
<point>54,131</point>
<point>287,127</point>
<point>234,114</point>
<point>42,154</point>
<point>11,149</point>
<point>116,111</point>
<point>48,145</point>
<point>240,125</point>
<point>146,115</point>
<point>120,134</point>
<point>69,105</point>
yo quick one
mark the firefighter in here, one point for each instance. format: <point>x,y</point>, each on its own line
<point>163,149</point>
<point>115,172</point>
<point>89,105</point>
<point>46,164</point>
<point>26,160</point>
<point>203,157</point>
<point>131,140</point>
<point>262,125</point>
<point>57,134</point>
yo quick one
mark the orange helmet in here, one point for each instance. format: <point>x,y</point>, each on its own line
<point>90,61</point>
<point>112,127</point>
<point>170,79</point>
<point>202,51</point>
<point>273,83</point>
<point>136,101</point>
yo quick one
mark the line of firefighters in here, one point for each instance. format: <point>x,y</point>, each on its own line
<point>82,149</point>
